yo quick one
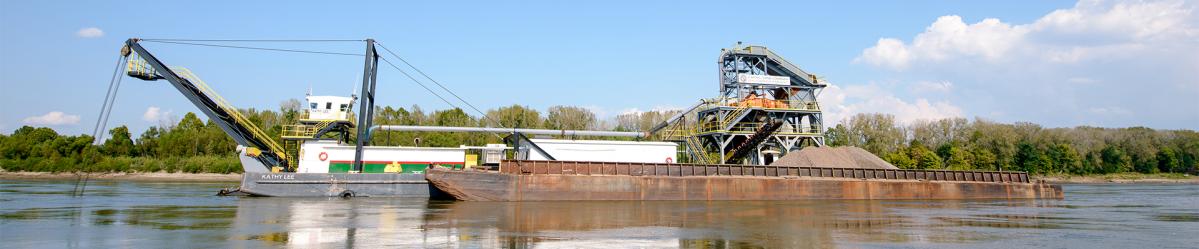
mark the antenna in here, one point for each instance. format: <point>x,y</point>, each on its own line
<point>353,91</point>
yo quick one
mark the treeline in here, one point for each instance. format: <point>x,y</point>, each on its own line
<point>514,116</point>
<point>960,144</point>
<point>192,145</point>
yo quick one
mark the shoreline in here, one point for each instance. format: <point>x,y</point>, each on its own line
<point>1116,179</point>
<point>139,177</point>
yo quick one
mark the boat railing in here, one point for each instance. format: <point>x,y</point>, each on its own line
<point>532,167</point>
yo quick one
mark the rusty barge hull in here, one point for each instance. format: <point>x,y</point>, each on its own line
<point>564,180</point>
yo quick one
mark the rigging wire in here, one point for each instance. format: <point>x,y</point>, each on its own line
<point>422,73</point>
<point>256,48</point>
<point>110,98</point>
<point>255,40</point>
<point>406,74</point>
<point>422,85</point>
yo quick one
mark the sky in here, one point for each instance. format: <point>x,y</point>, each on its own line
<point>1054,63</point>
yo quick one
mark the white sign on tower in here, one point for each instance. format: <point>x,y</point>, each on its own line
<point>763,79</point>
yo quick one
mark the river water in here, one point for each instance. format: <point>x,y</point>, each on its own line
<point>115,214</point>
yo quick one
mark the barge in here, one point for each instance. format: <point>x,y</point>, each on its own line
<point>576,181</point>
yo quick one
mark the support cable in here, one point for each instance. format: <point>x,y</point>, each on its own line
<point>255,40</point>
<point>110,98</point>
<point>422,73</point>
<point>107,98</point>
<point>422,85</point>
<point>255,48</point>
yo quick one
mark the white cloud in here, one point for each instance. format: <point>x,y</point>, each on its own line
<point>1089,30</point>
<point>52,118</point>
<point>1109,111</point>
<point>155,114</point>
<point>839,103</point>
<point>1063,68</point>
<point>888,53</point>
<point>90,32</point>
<point>946,38</point>
<point>932,86</point>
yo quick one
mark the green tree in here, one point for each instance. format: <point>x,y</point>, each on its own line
<point>924,157</point>
<point>569,118</point>
<point>1114,160</point>
<point>147,143</point>
<point>1065,158</point>
<point>876,133</point>
<point>120,143</point>
<point>515,116</point>
<point>1167,160</point>
<point>959,159</point>
<point>1030,159</point>
<point>190,122</point>
<point>900,159</point>
<point>837,136</point>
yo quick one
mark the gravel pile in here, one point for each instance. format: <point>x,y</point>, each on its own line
<point>833,157</point>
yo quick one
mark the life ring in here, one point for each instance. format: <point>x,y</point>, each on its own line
<point>669,160</point>
<point>323,156</point>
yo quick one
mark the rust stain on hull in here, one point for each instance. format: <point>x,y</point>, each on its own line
<point>556,180</point>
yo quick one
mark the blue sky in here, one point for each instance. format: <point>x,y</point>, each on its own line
<point>1056,63</point>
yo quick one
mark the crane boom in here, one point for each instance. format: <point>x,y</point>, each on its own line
<point>245,133</point>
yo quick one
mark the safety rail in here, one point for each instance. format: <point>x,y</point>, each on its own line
<point>305,131</point>
<point>764,103</point>
<point>751,127</point>
<point>530,167</point>
<point>139,68</point>
<point>240,119</point>
<point>733,115</point>
<point>307,116</point>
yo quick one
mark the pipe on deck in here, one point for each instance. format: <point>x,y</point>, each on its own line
<point>511,130</point>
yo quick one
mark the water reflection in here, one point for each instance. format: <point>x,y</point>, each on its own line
<point>410,223</point>
<point>37,214</point>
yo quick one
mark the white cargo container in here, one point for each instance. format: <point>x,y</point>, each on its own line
<point>606,151</point>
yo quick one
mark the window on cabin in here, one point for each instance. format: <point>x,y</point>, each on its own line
<point>343,107</point>
<point>328,105</point>
<point>313,106</point>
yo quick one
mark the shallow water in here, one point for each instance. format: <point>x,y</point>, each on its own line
<point>42,214</point>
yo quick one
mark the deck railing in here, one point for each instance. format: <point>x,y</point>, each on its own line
<point>529,167</point>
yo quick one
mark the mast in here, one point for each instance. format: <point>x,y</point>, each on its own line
<point>366,103</point>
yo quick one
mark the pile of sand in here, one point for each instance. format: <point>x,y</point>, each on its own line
<point>833,157</point>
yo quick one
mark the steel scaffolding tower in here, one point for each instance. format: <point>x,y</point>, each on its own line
<point>767,107</point>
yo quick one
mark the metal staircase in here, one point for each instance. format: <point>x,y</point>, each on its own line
<point>732,116</point>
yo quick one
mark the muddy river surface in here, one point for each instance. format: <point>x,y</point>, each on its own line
<point>42,214</point>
